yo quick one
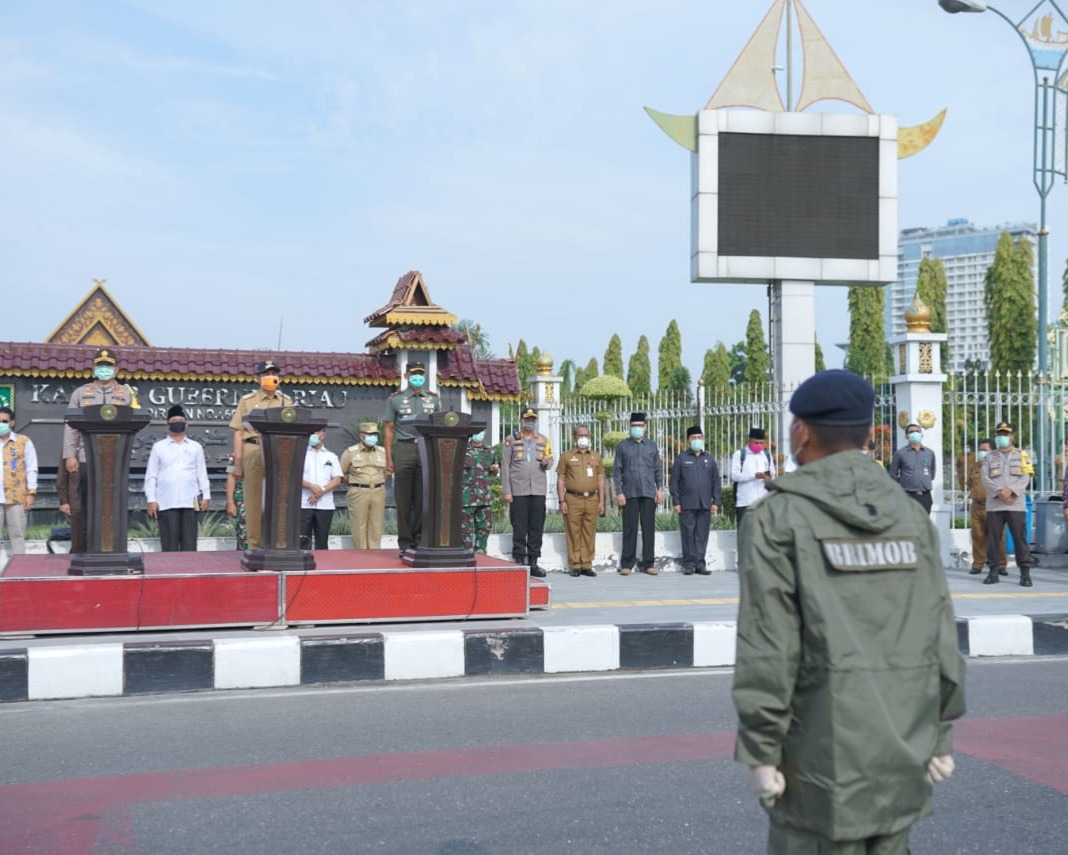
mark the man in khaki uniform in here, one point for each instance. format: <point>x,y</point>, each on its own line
<point>363,468</point>
<point>248,456</point>
<point>969,471</point>
<point>580,488</point>
<point>104,389</point>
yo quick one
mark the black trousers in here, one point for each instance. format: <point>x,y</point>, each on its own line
<point>995,532</point>
<point>924,499</point>
<point>314,521</point>
<point>408,493</point>
<point>693,530</point>
<point>178,530</point>
<point>639,510</point>
<point>527,514</point>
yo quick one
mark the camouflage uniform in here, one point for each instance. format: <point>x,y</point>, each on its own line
<point>479,464</point>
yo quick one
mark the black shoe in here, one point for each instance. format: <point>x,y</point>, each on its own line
<point>687,571</point>
<point>574,572</point>
<point>703,572</point>
<point>975,571</point>
<point>1025,578</point>
<point>588,571</point>
<point>1002,571</point>
<point>535,570</point>
<point>991,578</point>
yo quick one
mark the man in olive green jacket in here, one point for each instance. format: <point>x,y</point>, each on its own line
<point>848,673</point>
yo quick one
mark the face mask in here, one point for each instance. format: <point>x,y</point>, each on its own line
<point>5,428</point>
<point>371,440</point>
<point>417,381</point>
<point>915,437</point>
<point>314,440</point>
<point>981,455</point>
<point>529,425</point>
<point>176,427</point>
<point>1002,441</point>
<point>756,447</point>
<point>583,442</point>
<point>637,432</point>
<point>478,437</point>
<point>104,372</point>
<point>697,445</point>
<point>269,382</point>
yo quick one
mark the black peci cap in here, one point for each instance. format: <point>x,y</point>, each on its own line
<point>175,410</point>
<point>694,431</point>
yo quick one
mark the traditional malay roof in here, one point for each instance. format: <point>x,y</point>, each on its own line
<point>410,305</point>
<point>97,320</point>
<point>428,338</point>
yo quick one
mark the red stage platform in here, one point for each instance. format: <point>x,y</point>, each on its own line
<point>195,590</point>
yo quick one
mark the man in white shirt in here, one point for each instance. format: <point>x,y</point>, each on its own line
<point>322,475</point>
<point>751,469</point>
<point>176,485</point>
<point>18,486</point>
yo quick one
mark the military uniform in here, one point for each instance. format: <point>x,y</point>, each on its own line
<point>580,483</point>
<point>252,455</point>
<point>848,675</point>
<point>1006,469</point>
<point>407,470</point>
<point>479,464</point>
<point>525,462</point>
<point>364,470</point>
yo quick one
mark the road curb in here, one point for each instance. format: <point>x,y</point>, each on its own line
<point>112,669</point>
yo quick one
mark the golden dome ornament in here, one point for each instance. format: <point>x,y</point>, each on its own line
<point>918,316</point>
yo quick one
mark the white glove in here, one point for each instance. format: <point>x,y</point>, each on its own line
<point>766,782</point>
<point>940,768</point>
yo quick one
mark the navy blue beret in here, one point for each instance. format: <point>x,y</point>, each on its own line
<point>834,397</point>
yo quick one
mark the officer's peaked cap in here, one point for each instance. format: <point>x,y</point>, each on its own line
<point>104,356</point>
<point>834,397</point>
<point>416,367</point>
<point>368,427</point>
<point>1004,427</point>
<point>529,413</point>
<point>267,365</point>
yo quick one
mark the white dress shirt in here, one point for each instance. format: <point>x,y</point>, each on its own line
<point>748,489</point>
<point>320,467</point>
<point>177,474</point>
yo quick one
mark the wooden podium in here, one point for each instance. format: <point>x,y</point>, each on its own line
<point>108,431</point>
<point>284,433</point>
<point>442,447</point>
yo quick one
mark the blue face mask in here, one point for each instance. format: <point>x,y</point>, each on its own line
<point>915,437</point>
<point>5,428</point>
<point>697,445</point>
<point>1002,441</point>
<point>104,372</point>
<point>478,437</point>
<point>637,432</point>
<point>314,440</point>
<point>417,381</point>
<point>981,455</point>
<point>371,440</point>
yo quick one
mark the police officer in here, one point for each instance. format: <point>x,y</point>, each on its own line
<point>363,468</point>
<point>695,489</point>
<point>103,389</point>
<point>580,488</point>
<point>1005,476</point>
<point>914,467</point>
<point>970,471</point>
<point>847,675</point>
<point>248,455</point>
<point>402,453</point>
<point>525,462</point>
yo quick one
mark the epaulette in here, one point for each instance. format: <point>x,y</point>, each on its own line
<point>393,395</point>
<point>249,395</point>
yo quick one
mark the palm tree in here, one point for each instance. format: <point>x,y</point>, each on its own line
<point>477,338</point>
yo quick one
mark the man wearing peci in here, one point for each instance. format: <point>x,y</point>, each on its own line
<point>695,494</point>
<point>638,471</point>
<point>176,485</point>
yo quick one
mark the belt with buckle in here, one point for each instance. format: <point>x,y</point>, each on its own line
<point>253,441</point>
<point>367,486</point>
<point>581,493</point>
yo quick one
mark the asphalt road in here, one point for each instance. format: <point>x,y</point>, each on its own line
<point>620,764</point>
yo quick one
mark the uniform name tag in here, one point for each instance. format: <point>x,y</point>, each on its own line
<point>852,556</point>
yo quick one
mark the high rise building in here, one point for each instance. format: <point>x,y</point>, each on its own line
<point>966,251</point>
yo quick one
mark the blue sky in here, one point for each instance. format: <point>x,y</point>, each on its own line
<point>234,167</point>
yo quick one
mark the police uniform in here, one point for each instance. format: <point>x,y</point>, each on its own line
<point>95,392</point>
<point>1006,468</point>
<point>848,675</point>
<point>580,484</point>
<point>364,470</point>
<point>695,488</point>
<point>525,462</point>
<point>404,454</point>
<point>250,450</point>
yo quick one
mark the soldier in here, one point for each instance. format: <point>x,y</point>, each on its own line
<point>364,469</point>
<point>526,459</point>
<point>402,453</point>
<point>969,470</point>
<point>848,676</point>
<point>695,492</point>
<point>479,465</point>
<point>248,455</point>
<point>103,389</point>
<point>580,488</point>
<point>1004,474</point>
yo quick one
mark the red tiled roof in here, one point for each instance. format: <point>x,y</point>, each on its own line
<point>416,336</point>
<point>399,291</point>
<point>499,377</point>
<point>73,360</point>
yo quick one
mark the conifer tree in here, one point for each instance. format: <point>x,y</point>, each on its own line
<point>669,355</point>
<point>640,370</point>
<point>757,359</point>
<point>821,363</point>
<point>1009,301</point>
<point>867,341</point>
<point>717,368</point>
<point>613,358</point>
<point>931,289</point>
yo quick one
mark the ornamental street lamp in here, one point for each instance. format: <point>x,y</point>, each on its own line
<point>1044,32</point>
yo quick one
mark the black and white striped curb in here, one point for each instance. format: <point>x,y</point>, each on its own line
<point>108,669</point>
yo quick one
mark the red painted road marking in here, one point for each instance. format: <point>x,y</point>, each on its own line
<point>71,817</point>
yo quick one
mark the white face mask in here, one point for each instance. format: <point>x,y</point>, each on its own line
<point>583,442</point>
